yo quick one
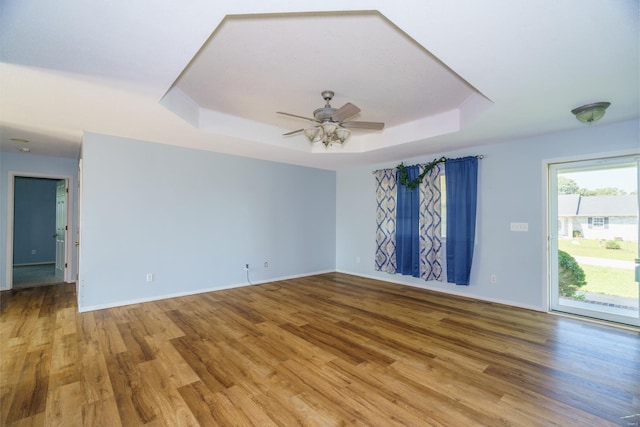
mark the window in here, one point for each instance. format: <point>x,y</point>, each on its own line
<point>416,246</point>
<point>598,222</point>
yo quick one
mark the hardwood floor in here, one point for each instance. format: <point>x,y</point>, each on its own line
<point>28,276</point>
<point>326,350</point>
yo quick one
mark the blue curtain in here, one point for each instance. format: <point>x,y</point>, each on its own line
<point>461,176</point>
<point>407,220</point>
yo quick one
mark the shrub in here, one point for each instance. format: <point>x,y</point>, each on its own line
<point>612,244</point>
<point>577,234</point>
<point>571,276</point>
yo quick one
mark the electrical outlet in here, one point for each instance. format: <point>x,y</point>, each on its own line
<point>246,267</point>
<point>494,278</point>
<point>33,251</point>
<point>266,264</point>
<point>149,277</point>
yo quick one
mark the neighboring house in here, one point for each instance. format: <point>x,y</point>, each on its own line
<point>598,217</point>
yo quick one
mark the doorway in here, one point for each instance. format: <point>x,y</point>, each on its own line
<point>37,252</point>
<point>593,238</point>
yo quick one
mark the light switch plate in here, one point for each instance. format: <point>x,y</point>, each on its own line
<point>519,226</point>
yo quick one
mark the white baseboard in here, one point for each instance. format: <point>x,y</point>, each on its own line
<point>83,309</point>
<point>276,279</point>
<point>452,292</point>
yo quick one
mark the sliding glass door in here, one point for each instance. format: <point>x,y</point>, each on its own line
<point>593,238</point>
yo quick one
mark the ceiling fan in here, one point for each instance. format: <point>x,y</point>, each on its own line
<point>331,125</point>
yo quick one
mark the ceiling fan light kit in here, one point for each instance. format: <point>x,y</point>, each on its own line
<point>328,132</point>
<point>342,134</point>
<point>331,126</point>
<point>313,134</point>
<point>589,113</point>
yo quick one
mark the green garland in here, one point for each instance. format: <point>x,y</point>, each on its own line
<point>403,175</point>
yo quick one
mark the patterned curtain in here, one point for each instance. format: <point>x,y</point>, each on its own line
<point>386,190</point>
<point>430,224</point>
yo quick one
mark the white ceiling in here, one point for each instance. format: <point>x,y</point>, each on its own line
<point>211,75</point>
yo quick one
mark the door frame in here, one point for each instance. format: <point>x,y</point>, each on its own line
<point>61,187</point>
<point>10,220</point>
<point>546,164</point>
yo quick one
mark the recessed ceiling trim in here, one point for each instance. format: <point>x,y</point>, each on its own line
<point>237,127</point>
<point>238,80</point>
<point>176,101</point>
<point>472,108</point>
<point>423,129</point>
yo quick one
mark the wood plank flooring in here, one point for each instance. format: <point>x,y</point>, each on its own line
<point>327,350</point>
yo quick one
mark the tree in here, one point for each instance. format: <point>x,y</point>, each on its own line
<point>571,276</point>
<point>608,191</point>
<point>567,186</point>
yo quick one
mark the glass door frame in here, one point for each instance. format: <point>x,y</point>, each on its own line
<point>553,166</point>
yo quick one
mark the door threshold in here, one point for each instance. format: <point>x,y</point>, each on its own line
<point>600,322</point>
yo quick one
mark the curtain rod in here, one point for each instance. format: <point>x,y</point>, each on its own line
<point>479,156</point>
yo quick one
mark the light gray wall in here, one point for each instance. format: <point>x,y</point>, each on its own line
<point>32,165</point>
<point>193,219</point>
<point>34,220</point>
<point>511,188</point>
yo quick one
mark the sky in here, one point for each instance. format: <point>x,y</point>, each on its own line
<point>623,178</point>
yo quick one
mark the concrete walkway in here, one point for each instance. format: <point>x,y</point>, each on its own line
<point>611,300</point>
<point>605,262</point>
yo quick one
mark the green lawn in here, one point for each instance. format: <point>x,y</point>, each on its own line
<point>595,248</point>
<point>610,281</point>
<point>605,280</point>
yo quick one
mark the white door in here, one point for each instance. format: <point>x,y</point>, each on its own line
<point>61,228</point>
<point>593,238</point>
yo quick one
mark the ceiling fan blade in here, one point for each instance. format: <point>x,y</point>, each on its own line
<point>363,125</point>
<point>293,132</point>
<point>296,116</point>
<point>344,112</point>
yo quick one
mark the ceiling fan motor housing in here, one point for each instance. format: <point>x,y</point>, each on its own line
<point>324,114</point>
